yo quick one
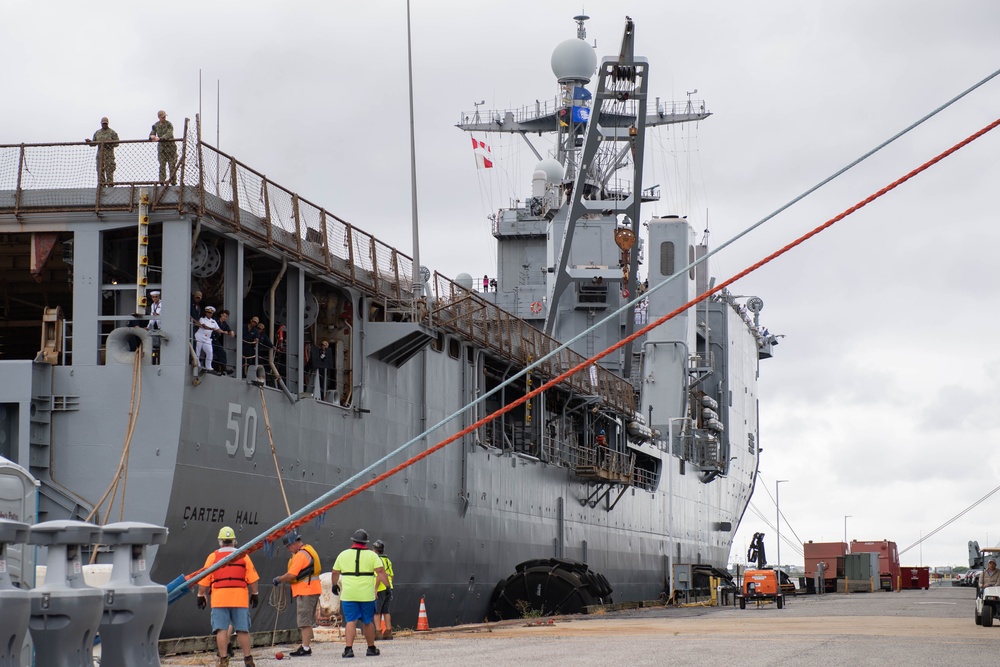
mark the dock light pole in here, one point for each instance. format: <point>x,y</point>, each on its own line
<point>846,517</point>
<point>777,507</point>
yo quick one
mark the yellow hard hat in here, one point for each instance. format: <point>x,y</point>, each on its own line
<point>227,533</point>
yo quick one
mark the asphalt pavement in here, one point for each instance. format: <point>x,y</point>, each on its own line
<point>932,627</point>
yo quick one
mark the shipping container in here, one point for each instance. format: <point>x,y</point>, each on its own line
<point>824,549</point>
<point>831,553</point>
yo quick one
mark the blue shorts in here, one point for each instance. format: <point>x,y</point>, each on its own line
<point>238,617</point>
<point>358,611</point>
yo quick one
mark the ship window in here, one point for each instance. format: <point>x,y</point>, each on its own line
<point>667,258</point>
<point>454,348</point>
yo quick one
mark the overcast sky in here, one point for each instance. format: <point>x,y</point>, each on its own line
<point>880,402</point>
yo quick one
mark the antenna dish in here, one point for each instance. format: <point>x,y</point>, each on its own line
<point>553,170</point>
<point>574,60</point>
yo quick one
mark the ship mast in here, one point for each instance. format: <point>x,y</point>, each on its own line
<point>617,116</point>
<point>599,140</point>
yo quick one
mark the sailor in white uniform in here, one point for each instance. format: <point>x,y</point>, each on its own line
<point>155,310</point>
<point>203,338</point>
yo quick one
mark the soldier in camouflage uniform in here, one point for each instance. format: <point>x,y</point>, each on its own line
<point>163,132</point>
<point>106,140</point>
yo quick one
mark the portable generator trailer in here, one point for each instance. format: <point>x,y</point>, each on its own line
<point>761,583</point>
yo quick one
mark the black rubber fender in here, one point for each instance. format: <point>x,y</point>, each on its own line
<point>548,586</point>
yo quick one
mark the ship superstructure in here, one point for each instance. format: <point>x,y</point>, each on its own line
<point>646,460</point>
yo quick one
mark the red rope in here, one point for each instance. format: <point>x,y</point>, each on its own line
<point>641,332</point>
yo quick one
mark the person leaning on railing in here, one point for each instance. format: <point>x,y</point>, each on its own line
<point>250,343</point>
<point>162,132</point>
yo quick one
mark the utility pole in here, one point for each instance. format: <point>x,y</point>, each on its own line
<point>777,507</point>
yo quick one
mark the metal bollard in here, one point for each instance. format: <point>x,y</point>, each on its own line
<point>134,606</point>
<point>15,603</point>
<point>65,611</point>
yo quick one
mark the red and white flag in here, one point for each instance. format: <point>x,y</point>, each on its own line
<point>484,158</point>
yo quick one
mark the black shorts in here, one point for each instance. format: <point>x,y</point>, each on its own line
<point>383,602</point>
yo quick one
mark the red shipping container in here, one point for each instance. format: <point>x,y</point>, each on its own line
<point>831,553</point>
<point>915,577</point>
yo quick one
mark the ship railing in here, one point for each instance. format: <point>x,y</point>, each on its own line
<point>509,437</point>
<point>644,479</point>
<point>466,313</point>
<point>605,463</point>
<point>703,451</point>
<point>63,177</point>
<point>257,207</point>
<point>704,359</point>
<point>659,111</point>
<point>558,451</point>
<point>520,114</point>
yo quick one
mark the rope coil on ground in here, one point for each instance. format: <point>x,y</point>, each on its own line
<point>279,600</point>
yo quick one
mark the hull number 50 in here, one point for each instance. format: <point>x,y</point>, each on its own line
<point>249,430</point>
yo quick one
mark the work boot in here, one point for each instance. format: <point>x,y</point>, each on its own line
<point>372,651</point>
<point>348,652</point>
<point>248,661</point>
<point>223,661</point>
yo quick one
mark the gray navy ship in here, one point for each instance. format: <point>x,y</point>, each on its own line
<point>593,490</point>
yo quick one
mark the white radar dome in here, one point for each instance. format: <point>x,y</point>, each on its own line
<point>574,60</point>
<point>553,170</point>
<point>464,280</point>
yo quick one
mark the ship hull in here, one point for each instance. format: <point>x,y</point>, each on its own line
<point>454,525</point>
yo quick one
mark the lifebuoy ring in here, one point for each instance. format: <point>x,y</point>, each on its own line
<point>536,307</point>
<point>625,293</point>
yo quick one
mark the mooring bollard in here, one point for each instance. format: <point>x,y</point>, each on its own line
<point>15,603</point>
<point>134,606</point>
<point>65,611</point>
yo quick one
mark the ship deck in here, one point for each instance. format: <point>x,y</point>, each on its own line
<point>56,184</point>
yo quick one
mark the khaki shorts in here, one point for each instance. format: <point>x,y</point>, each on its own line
<point>305,610</point>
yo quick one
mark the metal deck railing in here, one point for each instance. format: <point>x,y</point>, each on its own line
<point>36,178</point>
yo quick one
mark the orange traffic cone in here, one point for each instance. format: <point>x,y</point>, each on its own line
<point>422,617</point>
<point>382,628</point>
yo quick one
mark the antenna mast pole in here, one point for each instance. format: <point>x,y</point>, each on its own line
<point>418,287</point>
